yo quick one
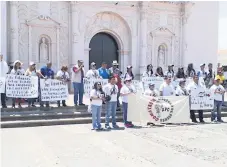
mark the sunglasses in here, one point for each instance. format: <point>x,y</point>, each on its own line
<point>99,84</point>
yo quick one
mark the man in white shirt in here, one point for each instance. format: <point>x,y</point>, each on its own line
<point>181,90</point>
<point>194,85</point>
<point>93,72</point>
<point>4,69</point>
<point>111,90</point>
<point>217,91</point>
<point>151,91</point>
<point>166,88</point>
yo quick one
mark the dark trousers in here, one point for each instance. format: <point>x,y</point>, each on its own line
<point>192,115</point>
<point>3,99</point>
<point>63,102</point>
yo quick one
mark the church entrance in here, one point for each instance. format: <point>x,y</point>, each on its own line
<point>103,49</point>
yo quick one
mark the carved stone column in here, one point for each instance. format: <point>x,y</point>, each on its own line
<point>143,35</point>
<point>3,47</point>
<point>14,52</point>
<point>124,60</point>
<point>58,47</point>
<point>30,43</point>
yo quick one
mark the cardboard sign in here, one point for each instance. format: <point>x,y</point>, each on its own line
<point>156,80</point>
<point>20,86</point>
<point>53,90</point>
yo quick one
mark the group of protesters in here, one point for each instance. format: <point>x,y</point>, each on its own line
<point>110,93</point>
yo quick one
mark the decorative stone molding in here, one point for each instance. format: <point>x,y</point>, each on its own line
<point>162,31</point>
<point>42,17</point>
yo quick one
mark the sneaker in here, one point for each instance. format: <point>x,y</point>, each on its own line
<point>202,121</point>
<point>195,121</point>
<point>214,121</point>
<point>81,104</point>
<point>116,126</point>
<point>127,125</point>
<point>220,120</point>
<point>99,129</point>
<point>33,105</point>
<point>131,125</point>
<point>4,106</point>
<point>107,127</point>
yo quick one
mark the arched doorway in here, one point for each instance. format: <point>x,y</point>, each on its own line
<point>104,48</point>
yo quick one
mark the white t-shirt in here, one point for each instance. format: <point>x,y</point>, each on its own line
<point>127,89</point>
<point>96,102</point>
<point>63,75</point>
<point>4,69</point>
<point>217,96</point>
<point>93,74</point>
<point>167,90</point>
<point>112,91</point>
<point>147,74</point>
<point>17,72</point>
<point>180,92</point>
<point>149,92</point>
<point>169,74</point>
<point>193,86</point>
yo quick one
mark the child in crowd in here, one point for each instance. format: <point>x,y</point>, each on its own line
<point>127,90</point>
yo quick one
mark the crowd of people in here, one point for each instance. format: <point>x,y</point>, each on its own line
<point>110,93</point>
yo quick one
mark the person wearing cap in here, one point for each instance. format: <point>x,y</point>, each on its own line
<point>195,84</point>
<point>166,88</point>
<point>181,90</point>
<point>220,76</point>
<point>170,72</point>
<point>31,71</point>
<point>115,71</point>
<point>103,71</point>
<point>93,73</point>
<point>78,73</point>
<point>129,73</point>
<point>202,73</point>
<point>4,69</point>
<point>111,90</point>
<point>210,76</point>
<point>126,90</point>
<point>63,76</point>
<point>190,70</point>
<point>149,71</point>
<point>180,73</point>
<point>218,91</point>
<point>151,91</point>
<point>17,70</point>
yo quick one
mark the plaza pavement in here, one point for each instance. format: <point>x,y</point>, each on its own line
<point>77,146</point>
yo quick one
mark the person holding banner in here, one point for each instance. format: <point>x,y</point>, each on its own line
<point>17,70</point>
<point>31,71</point>
<point>166,88</point>
<point>159,72</point>
<point>218,91</point>
<point>111,90</point>
<point>192,86</point>
<point>93,73</point>
<point>181,90</point>
<point>149,71</point>
<point>151,91</point>
<point>127,90</point>
<point>4,69</point>
<point>97,96</point>
<point>63,76</point>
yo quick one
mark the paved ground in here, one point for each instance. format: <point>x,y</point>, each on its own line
<point>78,146</point>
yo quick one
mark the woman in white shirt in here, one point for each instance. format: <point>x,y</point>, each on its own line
<point>93,73</point>
<point>17,70</point>
<point>97,97</point>
<point>149,71</point>
<point>126,90</point>
<point>63,76</point>
<point>111,90</point>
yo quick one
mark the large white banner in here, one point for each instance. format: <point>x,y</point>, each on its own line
<point>2,84</point>
<point>169,109</point>
<point>53,90</point>
<point>20,86</point>
<point>201,99</point>
<point>89,83</point>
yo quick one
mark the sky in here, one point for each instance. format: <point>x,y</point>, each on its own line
<point>222,25</point>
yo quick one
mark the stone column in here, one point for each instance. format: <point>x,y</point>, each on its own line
<point>124,60</point>
<point>58,48</point>
<point>143,36</point>
<point>86,58</point>
<point>14,52</point>
<point>30,44</point>
<point>3,47</point>
<point>75,32</point>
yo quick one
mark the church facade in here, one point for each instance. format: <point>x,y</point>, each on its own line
<point>133,33</point>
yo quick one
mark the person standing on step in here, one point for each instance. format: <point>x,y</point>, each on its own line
<point>129,73</point>
<point>63,75</point>
<point>149,72</point>
<point>170,72</point>
<point>97,97</point>
<point>192,86</point>
<point>151,91</point>
<point>111,90</point>
<point>181,90</point>
<point>78,73</point>
<point>93,73</point>
<point>103,71</point>
<point>127,90</point>
<point>4,69</point>
<point>166,88</point>
<point>217,90</point>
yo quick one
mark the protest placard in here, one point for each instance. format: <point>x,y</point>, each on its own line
<point>2,84</point>
<point>20,86</point>
<point>156,80</point>
<point>201,99</point>
<point>53,90</point>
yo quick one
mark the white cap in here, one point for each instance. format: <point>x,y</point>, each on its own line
<point>202,64</point>
<point>128,79</point>
<point>32,63</point>
<point>115,63</point>
<point>17,61</point>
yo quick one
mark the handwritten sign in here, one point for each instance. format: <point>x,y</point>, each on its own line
<point>201,99</point>
<point>2,84</point>
<point>53,90</point>
<point>20,86</point>
<point>156,80</point>
<point>138,85</point>
<point>89,83</point>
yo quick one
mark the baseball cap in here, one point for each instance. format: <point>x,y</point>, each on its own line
<point>93,64</point>
<point>32,63</point>
<point>202,64</point>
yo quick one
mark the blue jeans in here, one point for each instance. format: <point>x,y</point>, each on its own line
<point>78,90</point>
<point>96,116</point>
<point>217,108</point>
<point>111,110</point>
<point>125,112</point>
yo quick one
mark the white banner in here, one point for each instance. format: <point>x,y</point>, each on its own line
<point>89,83</point>
<point>156,80</point>
<point>201,99</point>
<point>20,86</point>
<point>171,109</point>
<point>53,90</point>
<point>2,84</point>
